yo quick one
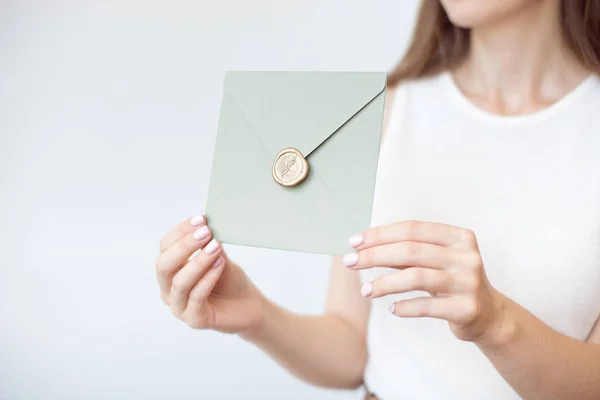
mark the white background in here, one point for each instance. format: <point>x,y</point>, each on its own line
<point>108,114</point>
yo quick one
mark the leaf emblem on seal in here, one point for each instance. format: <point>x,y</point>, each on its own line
<point>288,165</point>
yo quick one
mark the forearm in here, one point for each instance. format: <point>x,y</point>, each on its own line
<point>540,363</point>
<point>323,350</point>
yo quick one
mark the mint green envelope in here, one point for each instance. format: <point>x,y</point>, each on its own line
<point>334,119</point>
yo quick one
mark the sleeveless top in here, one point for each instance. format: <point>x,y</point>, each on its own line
<point>528,186</point>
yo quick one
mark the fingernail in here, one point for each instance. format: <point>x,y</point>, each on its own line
<point>211,247</point>
<point>392,307</point>
<point>218,263</point>
<point>201,233</point>
<point>350,259</point>
<point>366,290</point>
<point>356,240</point>
<point>197,220</point>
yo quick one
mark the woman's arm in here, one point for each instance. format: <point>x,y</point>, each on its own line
<point>539,362</point>
<point>444,260</point>
<point>206,290</point>
<point>327,350</point>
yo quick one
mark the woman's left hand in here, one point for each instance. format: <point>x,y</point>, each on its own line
<point>440,259</point>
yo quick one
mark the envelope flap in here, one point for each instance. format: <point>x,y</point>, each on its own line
<point>301,109</point>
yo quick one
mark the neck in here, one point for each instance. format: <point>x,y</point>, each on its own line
<point>523,55</point>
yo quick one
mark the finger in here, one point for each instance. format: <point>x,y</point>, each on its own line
<point>401,255</point>
<point>202,290</point>
<point>164,297</point>
<point>188,276</point>
<point>169,262</point>
<point>453,309</point>
<point>181,230</point>
<point>414,231</point>
<point>428,280</point>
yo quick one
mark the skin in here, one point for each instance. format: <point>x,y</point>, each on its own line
<point>503,76</point>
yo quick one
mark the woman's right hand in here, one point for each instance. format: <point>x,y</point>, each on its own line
<point>207,291</point>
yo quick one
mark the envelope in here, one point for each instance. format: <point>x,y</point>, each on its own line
<point>332,123</point>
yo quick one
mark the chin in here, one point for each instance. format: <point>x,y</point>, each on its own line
<point>474,13</point>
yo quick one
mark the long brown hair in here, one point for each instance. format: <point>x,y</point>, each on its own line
<point>438,45</point>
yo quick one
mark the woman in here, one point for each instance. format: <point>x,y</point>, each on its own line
<point>487,215</point>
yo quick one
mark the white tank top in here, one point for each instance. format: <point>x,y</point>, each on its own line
<point>528,186</point>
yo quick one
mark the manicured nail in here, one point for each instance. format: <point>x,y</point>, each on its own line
<point>356,240</point>
<point>366,290</point>
<point>211,247</point>
<point>392,307</point>
<point>197,220</point>
<point>218,263</point>
<point>350,259</point>
<point>201,233</point>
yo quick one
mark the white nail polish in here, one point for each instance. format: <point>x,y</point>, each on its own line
<point>356,240</point>
<point>350,259</point>
<point>201,233</point>
<point>211,247</point>
<point>366,290</point>
<point>218,263</point>
<point>197,220</point>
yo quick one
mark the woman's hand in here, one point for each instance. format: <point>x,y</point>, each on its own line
<point>205,289</point>
<point>440,259</point>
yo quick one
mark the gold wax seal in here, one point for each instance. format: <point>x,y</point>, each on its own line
<point>290,167</point>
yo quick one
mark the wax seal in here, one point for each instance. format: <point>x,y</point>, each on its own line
<point>290,167</point>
